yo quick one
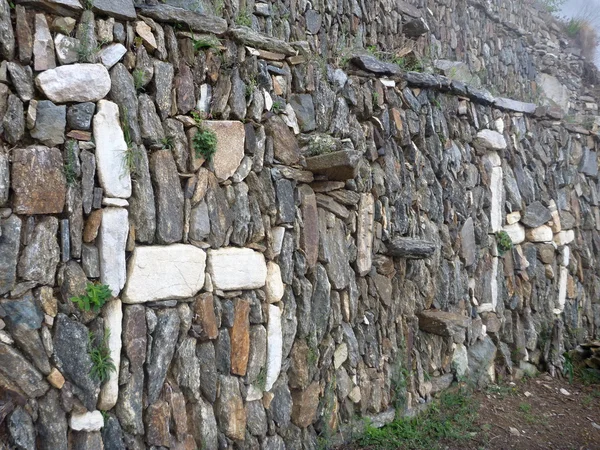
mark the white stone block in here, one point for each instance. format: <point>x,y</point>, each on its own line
<point>89,421</point>
<point>112,240</point>
<point>113,319</point>
<point>274,346</point>
<point>516,231</point>
<point>164,272</point>
<point>274,287</point>
<point>232,269</point>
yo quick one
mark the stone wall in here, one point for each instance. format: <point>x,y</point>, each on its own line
<point>337,258</point>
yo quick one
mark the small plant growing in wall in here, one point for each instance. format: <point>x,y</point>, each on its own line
<point>102,364</point>
<point>244,18</point>
<point>503,242</point>
<point>94,298</point>
<point>204,141</point>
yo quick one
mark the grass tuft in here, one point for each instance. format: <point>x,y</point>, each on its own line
<point>102,363</point>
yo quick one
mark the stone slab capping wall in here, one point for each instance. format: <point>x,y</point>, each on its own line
<point>336,259</point>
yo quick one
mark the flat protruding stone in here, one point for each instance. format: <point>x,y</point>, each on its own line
<point>38,180</point>
<point>232,269</point>
<point>110,151</point>
<point>180,269</point>
<point>119,9</point>
<point>514,105</point>
<point>231,137</point>
<point>490,140</point>
<point>442,323</point>
<point>274,287</point>
<point>410,248</point>
<point>337,166</point>
<point>114,230</point>
<point>371,64</point>
<point>196,22</point>
<point>60,7</point>
<point>75,83</point>
<point>248,36</point>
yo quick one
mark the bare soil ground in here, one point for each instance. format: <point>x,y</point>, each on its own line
<point>537,414</point>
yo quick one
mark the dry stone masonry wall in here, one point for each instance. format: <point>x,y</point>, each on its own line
<point>361,237</point>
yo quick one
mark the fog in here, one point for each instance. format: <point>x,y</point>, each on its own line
<point>586,9</point>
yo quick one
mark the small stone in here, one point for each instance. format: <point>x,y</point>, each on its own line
<point>236,268</point>
<point>38,181</point>
<point>50,123</point>
<point>305,404</point>
<point>182,273</point>
<point>67,49</point>
<point>240,338</point>
<point>21,429</point>
<point>169,197</point>
<point>79,115</point>
<point>274,346</point>
<point>563,391</point>
<point>372,64</point>
<point>490,140</point>
<point>516,232</point>
<point>92,225</point>
<point>205,316</point>
<point>39,259</point>
<point>163,348</point>
<point>111,55</point>
<point>24,35</point>
<point>229,409</point>
<point>75,83</point>
<point>111,245</point>
<point>113,319</point>
<point>274,287</point>
<point>540,234</point>
<point>285,145</point>
<point>342,165</point>
<point>43,46</point>
<point>64,25</point>
<point>305,111</point>
<point>163,86</point>
<point>157,424</point>
<point>110,151</point>
<point>22,79</point>
<point>536,215</point>
<point>89,421</point>
<point>230,146</point>
<point>145,32</point>
<point>14,120</point>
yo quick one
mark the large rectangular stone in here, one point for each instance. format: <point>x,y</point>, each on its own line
<point>342,165</point>
<point>164,272</point>
<point>233,269</point>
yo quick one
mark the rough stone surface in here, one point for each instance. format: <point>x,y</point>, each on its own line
<point>110,151</point>
<point>119,9</point>
<point>50,123</point>
<point>51,423</point>
<point>336,166</point>
<point>490,140</point>
<point>75,83</point>
<point>38,181</point>
<point>535,215</point>
<point>230,410</point>
<point>112,240</point>
<point>274,346</point>
<point>169,197</point>
<point>240,338</point>
<point>233,269</point>
<point>285,146</point>
<point>182,273</point>
<point>230,146</point>
<point>163,348</point>
<point>9,252</point>
<point>39,259</point>
<point>113,318</point>
<point>73,360</point>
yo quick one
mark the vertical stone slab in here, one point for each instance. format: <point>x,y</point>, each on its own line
<point>364,234</point>
<point>169,197</point>
<point>111,245</point>
<point>309,237</point>
<point>9,252</point>
<point>113,319</point>
<point>497,208</point>
<point>468,246</point>
<point>111,150</point>
<point>562,290</point>
<point>240,338</point>
<point>274,346</point>
<point>43,45</point>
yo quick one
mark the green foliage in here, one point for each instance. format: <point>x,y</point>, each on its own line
<point>205,143</point>
<point>94,298</point>
<point>88,4</point>
<point>261,379</point>
<point>138,79</point>
<point>102,363</point>
<point>69,164</point>
<point>167,143</point>
<point>132,155</point>
<point>573,27</point>
<point>568,368</point>
<point>452,418</point>
<point>205,42</point>
<point>553,5</point>
<point>244,18</point>
<point>503,242</point>
<point>277,107</point>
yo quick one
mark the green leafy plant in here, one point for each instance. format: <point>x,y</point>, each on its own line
<point>205,42</point>
<point>205,143</point>
<point>69,165</point>
<point>261,379</point>
<point>138,79</point>
<point>102,363</point>
<point>573,27</point>
<point>132,155</point>
<point>553,5</point>
<point>277,107</point>
<point>568,367</point>
<point>167,143</point>
<point>244,18</point>
<point>94,298</point>
<point>503,242</point>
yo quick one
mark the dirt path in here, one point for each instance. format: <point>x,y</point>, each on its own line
<point>537,414</point>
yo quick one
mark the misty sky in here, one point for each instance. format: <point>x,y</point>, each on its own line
<point>588,9</point>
